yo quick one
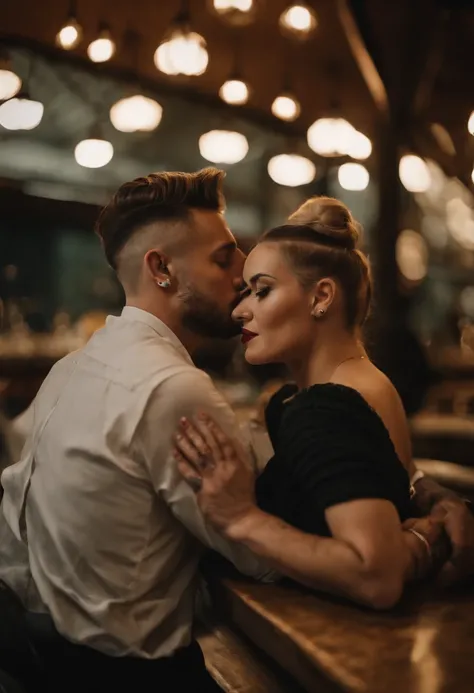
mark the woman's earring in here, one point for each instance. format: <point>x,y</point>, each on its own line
<point>321,311</point>
<point>165,284</point>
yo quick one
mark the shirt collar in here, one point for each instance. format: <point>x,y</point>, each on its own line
<point>139,315</point>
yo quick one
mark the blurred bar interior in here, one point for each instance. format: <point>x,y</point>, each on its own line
<point>368,101</point>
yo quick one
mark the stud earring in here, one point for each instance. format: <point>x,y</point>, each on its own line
<point>321,311</point>
<point>165,284</point>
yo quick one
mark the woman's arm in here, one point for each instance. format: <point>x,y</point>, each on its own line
<point>368,559</point>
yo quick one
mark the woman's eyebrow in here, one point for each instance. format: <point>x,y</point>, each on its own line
<point>258,276</point>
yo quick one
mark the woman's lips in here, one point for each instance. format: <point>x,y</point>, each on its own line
<point>247,336</point>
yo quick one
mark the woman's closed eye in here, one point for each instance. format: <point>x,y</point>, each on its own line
<point>261,293</point>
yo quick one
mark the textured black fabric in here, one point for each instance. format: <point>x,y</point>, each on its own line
<point>330,447</point>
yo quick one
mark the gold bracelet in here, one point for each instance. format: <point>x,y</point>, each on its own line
<point>424,540</point>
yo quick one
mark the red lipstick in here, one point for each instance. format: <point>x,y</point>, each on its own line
<point>247,336</point>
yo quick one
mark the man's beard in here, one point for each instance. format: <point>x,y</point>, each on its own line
<point>204,317</point>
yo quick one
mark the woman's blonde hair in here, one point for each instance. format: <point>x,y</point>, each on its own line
<point>320,239</point>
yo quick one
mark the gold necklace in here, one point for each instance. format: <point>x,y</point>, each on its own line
<point>349,358</point>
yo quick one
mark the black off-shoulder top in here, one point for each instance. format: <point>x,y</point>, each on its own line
<point>330,447</point>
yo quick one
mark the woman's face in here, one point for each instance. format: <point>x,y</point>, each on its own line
<point>276,312</point>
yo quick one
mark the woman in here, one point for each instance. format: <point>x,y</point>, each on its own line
<point>341,440</point>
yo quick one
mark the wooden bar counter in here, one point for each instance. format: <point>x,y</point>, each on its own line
<point>425,645</point>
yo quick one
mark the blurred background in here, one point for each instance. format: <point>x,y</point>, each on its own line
<point>365,100</point>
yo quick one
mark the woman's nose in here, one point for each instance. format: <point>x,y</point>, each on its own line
<point>241,312</point>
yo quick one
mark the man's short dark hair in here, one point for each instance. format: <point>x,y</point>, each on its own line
<point>157,197</point>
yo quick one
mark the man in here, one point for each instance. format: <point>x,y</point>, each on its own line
<point>98,530</point>
<point>99,533</point>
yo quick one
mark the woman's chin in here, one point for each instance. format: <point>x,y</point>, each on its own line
<point>257,357</point>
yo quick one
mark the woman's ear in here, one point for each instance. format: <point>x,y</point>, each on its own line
<point>322,296</point>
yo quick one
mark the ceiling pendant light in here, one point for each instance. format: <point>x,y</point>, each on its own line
<point>286,107</point>
<point>470,123</point>
<point>69,36</point>
<point>103,48</point>
<point>330,136</point>
<point>182,51</point>
<point>299,20</point>
<point>236,12</point>
<point>21,113</point>
<point>291,170</point>
<point>136,113</point>
<point>223,146</point>
<point>94,152</point>
<point>10,83</point>
<point>359,146</point>
<point>414,174</point>
<point>235,92</point>
<point>353,177</point>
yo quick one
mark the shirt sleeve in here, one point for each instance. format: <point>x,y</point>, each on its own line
<point>185,394</point>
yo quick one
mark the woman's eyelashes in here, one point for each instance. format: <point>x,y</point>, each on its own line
<point>261,293</point>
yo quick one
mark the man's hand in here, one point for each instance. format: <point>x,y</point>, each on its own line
<point>459,526</point>
<point>428,544</point>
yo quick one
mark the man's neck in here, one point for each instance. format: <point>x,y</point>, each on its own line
<point>191,342</point>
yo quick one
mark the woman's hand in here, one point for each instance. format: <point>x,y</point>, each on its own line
<point>217,471</point>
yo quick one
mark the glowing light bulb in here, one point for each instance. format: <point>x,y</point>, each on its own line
<point>291,170</point>
<point>235,92</point>
<point>223,146</point>
<point>286,107</point>
<point>93,153</point>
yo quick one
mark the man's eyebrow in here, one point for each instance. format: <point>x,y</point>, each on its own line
<point>226,247</point>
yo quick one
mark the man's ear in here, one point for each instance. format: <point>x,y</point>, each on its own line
<point>322,296</point>
<point>156,264</point>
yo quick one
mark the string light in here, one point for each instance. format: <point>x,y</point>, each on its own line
<point>235,92</point>
<point>223,146</point>
<point>299,20</point>
<point>286,107</point>
<point>103,48</point>
<point>330,136</point>
<point>10,83</point>
<point>237,12</point>
<point>136,114</point>
<point>412,255</point>
<point>21,113</point>
<point>291,170</point>
<point>359,146</point>
<point>94,153</point>
<point>414,173</point>
<point>183,53</point>
<point>69,36</point>
<point>470,123</point>
<point>353,177</point>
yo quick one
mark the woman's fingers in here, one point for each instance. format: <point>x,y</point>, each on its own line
<point>225,444</point>
<point>187,450</point>
<point>188,471</point>
<point>204,423</point>
<point>194,436</point>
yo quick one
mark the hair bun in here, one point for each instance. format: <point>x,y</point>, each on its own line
<point>330,217</point>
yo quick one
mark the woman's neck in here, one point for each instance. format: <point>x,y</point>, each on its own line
<point>325,357</point>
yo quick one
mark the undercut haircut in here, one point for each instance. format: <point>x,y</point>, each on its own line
<point>166,197</point>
